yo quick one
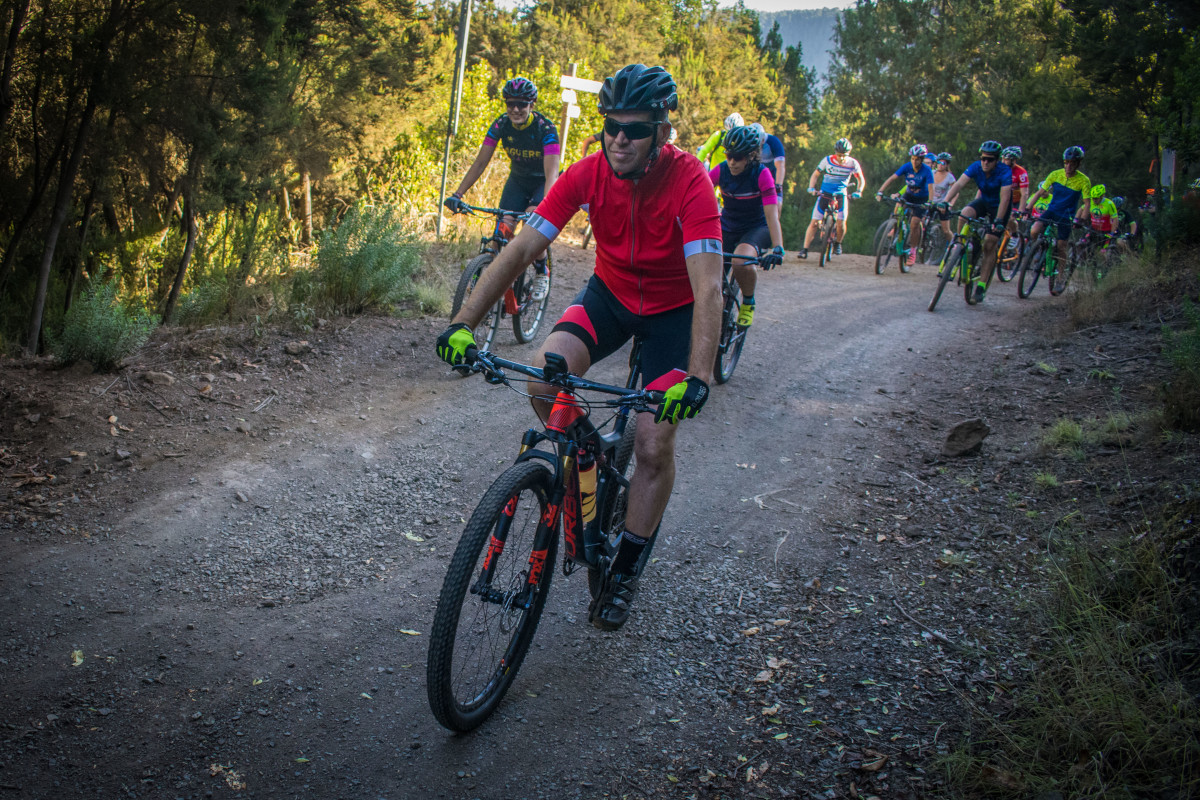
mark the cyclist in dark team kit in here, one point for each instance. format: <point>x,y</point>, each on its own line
<point>531,141</point>
<point>750,212</point>
<point>658,276</point>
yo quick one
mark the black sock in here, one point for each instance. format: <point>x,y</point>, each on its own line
<point>628,553</point>
<point>748,300</point>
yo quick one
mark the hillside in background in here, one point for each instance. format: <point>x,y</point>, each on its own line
<point>812,29</point>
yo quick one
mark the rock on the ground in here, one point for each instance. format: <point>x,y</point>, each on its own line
<point>966,438</point>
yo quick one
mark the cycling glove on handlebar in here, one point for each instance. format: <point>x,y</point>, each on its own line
<point>455,204</point>
<point>683,400</point>
<point>772,259</point>
<point>453,343</point>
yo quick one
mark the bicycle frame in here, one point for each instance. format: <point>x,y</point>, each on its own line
<point>570,432</point>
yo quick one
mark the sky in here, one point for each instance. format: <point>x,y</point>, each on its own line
<point>790,5</point>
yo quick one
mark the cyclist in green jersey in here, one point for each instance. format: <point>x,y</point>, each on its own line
<point>712,152</point>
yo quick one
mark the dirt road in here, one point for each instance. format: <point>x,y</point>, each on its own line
<point>237,623</point>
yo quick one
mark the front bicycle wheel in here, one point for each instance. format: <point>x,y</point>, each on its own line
<point>528,316</point>
<point>1008,256</point>
<point>485,331</point>
<point>492,598</point>
<point>950,265</point>
<point>733,336</point>
<point>827,229</point>
<point>1031,269</point>
<point>1061,277</point>
<point>885,244</point>
<point>970,271</point>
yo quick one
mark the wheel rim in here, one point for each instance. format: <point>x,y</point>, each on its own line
<point>488,631</point>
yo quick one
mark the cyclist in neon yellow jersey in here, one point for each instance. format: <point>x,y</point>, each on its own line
<point>1102,210</point>
<point>1067,188</point>
<point>712,152</point>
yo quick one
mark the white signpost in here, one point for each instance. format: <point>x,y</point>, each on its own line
<point>570,85</point>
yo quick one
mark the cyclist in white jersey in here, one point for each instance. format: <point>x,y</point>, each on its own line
<point>835,172</point>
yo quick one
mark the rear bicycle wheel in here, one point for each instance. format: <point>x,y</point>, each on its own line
<point>733,336</point>
<point>485,331</point>
<point>1031,268</point>
<point>528,316</point>
<point>492,598</point>
<point>950,266</point>
<point>885,244</point>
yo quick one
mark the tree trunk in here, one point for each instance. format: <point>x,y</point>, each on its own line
<point>189,220</point>
<point>19,11</point>
<point>62,204</point>
<point>77,262</point>
<point>307,208</point>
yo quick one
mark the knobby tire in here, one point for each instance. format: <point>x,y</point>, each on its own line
<point>885,244</point>
<point>530,312</point>
<point>733,336</point>
<point>949,266</point>
<point>476,645</point>
<point>827,229</point>
<point>1061,277</point>
<point>485,331</point>
<point>1007,269</point>
<point>1031,269</point>
<point>614,505</point>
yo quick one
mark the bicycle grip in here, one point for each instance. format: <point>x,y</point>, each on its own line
<point>471,354</point>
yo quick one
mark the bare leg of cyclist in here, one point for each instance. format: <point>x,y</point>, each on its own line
<point>839,230</point>
<point>811,233</point>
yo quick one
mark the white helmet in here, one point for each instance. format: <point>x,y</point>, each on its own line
<point>734,120</point>
<point>761,131</point>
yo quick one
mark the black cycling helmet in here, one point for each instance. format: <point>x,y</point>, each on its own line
<point>520,89</point>
<point>1119,202</point>
<point>741,141</point>
<point>1073,153</point>
<point>639,88</point>
<point>991,147</point>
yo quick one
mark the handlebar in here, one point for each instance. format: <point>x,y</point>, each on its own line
<point>495,212</point>
<point>747,259</point>
<point>554,373</point>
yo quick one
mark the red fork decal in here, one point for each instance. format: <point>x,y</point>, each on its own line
<point>537,563</point>
<point>550,516</point>
<point>495,548</point>
<point>510,508</point>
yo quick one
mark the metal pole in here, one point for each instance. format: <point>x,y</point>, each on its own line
<point>464,29</point>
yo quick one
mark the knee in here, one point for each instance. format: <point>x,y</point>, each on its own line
<point>656,449</point>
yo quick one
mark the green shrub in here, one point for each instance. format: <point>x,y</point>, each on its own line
<point>1182,394</point>
<point>101,330</point>
<point>366,262</point>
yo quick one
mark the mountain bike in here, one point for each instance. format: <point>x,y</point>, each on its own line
<point>1011,249</point>
<point>933,240</point>
<point>891,238</point>
<point>569,477</point>
<point>733,336</point>
<point>961,261</point>
<point>828,227</point>
<point>1041,258</point>
<point>518,302</point>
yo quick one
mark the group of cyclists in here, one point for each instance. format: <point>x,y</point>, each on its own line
<point>660,237</point>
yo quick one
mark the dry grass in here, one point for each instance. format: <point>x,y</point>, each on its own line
<point>1134,288</point>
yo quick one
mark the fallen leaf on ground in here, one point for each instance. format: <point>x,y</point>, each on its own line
<point>76,658</point>
<point>764,676</point>
<point>750,631</point>
<point>409,631</point>
<point>412,537</point>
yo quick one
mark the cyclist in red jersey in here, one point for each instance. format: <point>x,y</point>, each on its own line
<point>658,276</point>
<point>1020,192</point>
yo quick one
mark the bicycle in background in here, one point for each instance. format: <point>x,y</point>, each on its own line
<point>891,238</point>
<point>517,303</point>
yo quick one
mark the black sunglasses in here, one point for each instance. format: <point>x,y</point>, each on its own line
<point>516,104</point>
<point>736,156</point>
<point>987,159</point>
<point>632,130</point>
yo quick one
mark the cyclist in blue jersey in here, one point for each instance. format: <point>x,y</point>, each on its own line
<point>749,212</point>
<point>531,142</point>
<point>918,182</point>
<point>772,156</point>
<point>835,173</point>
<point>994,199</point>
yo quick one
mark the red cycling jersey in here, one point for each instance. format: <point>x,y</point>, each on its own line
<point>644,230</point>
<point>1020,183</point>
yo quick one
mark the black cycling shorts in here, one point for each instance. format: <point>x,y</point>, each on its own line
<point>521,193</point>
<point>1064,228</point>
<point>760,237</point>
<point>598,319</point>
<point>984,208</point>
<point>916,200</point>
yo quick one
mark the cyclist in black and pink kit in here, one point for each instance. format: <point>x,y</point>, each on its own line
<point>531,141</point>
<point>658,276</point>
<point>749,212</point>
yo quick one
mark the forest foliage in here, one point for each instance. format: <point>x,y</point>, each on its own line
<point>193,154</point>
